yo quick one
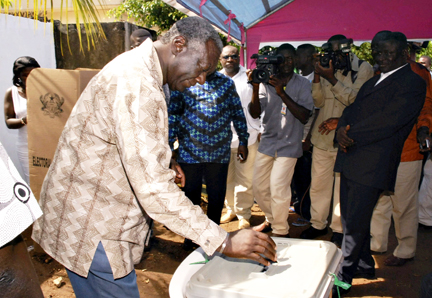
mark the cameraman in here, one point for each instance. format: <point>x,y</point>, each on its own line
<point>286,102</point>
<point>333,89</point>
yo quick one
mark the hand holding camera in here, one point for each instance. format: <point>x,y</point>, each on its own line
<point>266,66</point>
<point>277,83</point>
<point>326,72</point>
<point>334,56</point>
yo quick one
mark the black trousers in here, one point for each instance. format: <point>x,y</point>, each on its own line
<point>357,203</point>
<point>300,184</point>
<point>426,286</point>
<point>215,176</point>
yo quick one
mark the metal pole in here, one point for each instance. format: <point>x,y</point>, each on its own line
<point>245,57</point>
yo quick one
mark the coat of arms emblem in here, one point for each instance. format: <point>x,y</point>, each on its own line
<point>51,104</point>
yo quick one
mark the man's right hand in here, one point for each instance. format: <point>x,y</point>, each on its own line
<point>249,75</point>
<point>249,244</point>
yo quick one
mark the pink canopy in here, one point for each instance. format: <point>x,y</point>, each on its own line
<point>311,20</point>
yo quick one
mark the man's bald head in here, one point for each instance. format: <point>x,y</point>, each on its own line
<point>230,60</point>
<point>230,48</point>
<point>425,61</point>
<point>197,32</point>
<point>138,37</point>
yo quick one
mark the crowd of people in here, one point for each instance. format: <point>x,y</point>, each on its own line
<point>350,136</point>
<point>366,162</point>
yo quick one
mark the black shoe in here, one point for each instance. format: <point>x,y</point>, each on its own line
<point>425,227</point>
<point>377,253</point>
<point>280,235</point>
<point>312,233</point>
<point>369,274</point>
<point>342,292</point>
<point>189,245</point>
<point>337,239</point>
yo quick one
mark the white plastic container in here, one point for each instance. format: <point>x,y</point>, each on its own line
<point>303,270</point>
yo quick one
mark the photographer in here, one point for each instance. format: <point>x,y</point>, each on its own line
<point>286,102</point>
<point>334,87</point>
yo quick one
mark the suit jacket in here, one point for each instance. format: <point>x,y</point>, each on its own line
<point>381,119</point>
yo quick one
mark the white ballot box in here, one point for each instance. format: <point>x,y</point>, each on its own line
<point>303,270</point>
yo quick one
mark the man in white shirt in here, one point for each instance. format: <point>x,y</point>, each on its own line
<point>239,197</point>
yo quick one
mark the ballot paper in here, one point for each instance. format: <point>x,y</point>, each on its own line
<point>18,207</point>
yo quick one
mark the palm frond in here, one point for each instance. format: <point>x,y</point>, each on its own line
<point>85,12</point>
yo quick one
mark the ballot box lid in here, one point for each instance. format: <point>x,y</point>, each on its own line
<point>303,269</point>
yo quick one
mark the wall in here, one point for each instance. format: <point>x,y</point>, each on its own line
<point>21,37</point>
<point>98,56</point>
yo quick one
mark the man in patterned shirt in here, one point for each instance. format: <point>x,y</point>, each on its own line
<point>200,118</point>
<point>111,168</point>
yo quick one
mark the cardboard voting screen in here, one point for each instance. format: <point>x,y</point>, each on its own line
<point>52,94</point>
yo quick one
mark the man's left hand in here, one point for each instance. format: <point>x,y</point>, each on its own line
<point>278,84</point>
<point>242,153</point>
<point>328,125</point>
<point>422,136</point>
<point>180,177</point>
<point>342,138</point>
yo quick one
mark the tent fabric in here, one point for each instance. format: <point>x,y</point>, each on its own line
<point>275,21</point>
<point>216,11</point>
<point>306,20</point>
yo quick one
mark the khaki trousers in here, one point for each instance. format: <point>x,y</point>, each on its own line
<point>272,189</point>
<point>403,205</point>
<point>425,195</point>
<point>325,186</point>
<point>239,197</point>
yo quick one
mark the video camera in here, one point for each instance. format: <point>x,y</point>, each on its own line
<point>266,66</point>
<point>339,58</point>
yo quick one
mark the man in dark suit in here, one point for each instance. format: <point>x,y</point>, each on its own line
<point>371,133</point>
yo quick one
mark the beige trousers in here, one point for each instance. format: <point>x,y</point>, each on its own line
<point>325,186</point>
<point>403,205</point>
<point>239,197</point>
<point>425,195</point>
<point>272,189</point>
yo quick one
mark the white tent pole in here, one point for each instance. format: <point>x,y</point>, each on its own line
<point>245,57</point>
<point>268,14</point>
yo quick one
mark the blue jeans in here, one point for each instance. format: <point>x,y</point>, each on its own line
<point>100,281</point>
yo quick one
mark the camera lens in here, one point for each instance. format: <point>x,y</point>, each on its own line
<point>260,76</point>
<point>325,61</point>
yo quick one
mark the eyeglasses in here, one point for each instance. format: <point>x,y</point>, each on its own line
<point>234,57</point>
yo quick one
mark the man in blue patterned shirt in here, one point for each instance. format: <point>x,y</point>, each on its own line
<point>200,119</point>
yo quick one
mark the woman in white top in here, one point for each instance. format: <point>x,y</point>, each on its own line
<point>15,108</point>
